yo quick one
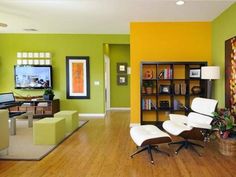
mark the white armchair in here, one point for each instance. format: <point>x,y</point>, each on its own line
<point>4,130</point>
<point>189,127</point>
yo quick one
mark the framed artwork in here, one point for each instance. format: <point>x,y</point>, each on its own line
<point>165,89</point>
<point>230,74</point>
<point>195,73</point>
<point>122,68</point>
<point>77,77</point>
<point>122,80</point>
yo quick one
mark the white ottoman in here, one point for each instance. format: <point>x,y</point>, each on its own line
<point>148,137</point>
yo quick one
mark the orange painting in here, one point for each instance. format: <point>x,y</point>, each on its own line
<point>77,78</point>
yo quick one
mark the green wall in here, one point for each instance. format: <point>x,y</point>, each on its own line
<point>120,95</point>
<point>223,28</point>
<point>60,45</point>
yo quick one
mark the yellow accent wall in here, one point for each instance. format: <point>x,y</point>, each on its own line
<point>165,41</point>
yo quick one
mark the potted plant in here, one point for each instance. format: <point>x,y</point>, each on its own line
<point>148,86</point>
<point>48,94</point>
<point>223,122</point>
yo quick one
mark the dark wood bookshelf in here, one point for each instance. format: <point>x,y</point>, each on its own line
<point>165,78</point>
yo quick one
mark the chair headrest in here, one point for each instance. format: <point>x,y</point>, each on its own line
<point>204,106</point>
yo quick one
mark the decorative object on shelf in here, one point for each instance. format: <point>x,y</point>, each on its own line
<point>122,68</point>
<point>161,75</point>
<point>196,90</point>
<point>122,80</point>
<point>195,73</point>
<point>230,74</point>
<point>77,77</point>
<point>48,94</point>
<point>148,86</point>
<point>148,74</point>
<point>165,89</point>
<point>210,73</point>
<point>164,104</point>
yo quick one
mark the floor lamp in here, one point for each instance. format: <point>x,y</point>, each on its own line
<point>210,73</point>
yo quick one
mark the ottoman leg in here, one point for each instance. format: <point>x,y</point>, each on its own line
<point>138,151</point>
<point>150,153</point>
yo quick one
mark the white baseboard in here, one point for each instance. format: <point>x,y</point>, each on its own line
<point>120,109</point>
<point>134,124</point>
<point>102,115</point>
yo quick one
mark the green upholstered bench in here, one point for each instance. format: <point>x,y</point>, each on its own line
<point>49,131</point>
<point>71,118</point>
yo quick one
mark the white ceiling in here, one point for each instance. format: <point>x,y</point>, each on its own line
<point>100,16</point>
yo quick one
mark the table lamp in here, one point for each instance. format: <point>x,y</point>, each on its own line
<point>210,73</point>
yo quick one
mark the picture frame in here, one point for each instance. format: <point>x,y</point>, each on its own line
<point>122,80</point>
<point>121,68</point>
<point>77,77</point>
<point>195,73</point>
<point>164,89</point>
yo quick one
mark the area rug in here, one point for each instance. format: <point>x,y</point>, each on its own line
<point>21,145</point>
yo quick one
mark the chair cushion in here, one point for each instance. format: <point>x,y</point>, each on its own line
<point>199,120</point>
<point>175,128</point>
<point>178,118</point>
<point>204,105</point>
<point>144,134</point>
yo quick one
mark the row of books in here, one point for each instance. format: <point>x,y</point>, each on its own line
<point>180,89</point>
<point>147,104</point>
<point>166,74</point>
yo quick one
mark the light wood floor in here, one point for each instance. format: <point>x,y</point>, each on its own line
<point>101,149</point>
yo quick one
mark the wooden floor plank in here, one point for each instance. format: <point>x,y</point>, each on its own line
<point>102,148</point>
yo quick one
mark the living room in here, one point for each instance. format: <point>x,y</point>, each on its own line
<point>103,146</point>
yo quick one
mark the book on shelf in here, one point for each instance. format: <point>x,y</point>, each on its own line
<point>166,74</point>
<point>147,104</point>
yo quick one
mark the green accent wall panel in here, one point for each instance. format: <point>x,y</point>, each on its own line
<point>223,28</point>
<point>120,94</point>
<point>60,45</point>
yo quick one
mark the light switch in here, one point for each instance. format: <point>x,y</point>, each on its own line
<point>129,70</point>
<point>96,82</point>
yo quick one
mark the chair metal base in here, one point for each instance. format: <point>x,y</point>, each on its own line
<point>186,144</point>
<point>149,148</point>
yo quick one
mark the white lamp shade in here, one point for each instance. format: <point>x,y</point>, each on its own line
<point>210,72</point>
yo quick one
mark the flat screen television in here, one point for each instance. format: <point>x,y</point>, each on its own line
<point>33,76</point>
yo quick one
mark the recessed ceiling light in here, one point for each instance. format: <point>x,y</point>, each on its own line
<point>30,29</point>
<point>3,25</point>
<point>179,3</point>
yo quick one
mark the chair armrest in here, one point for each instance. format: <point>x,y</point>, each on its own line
<point>198,125</point>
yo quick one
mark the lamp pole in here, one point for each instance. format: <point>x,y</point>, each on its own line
<point>209,88</point>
